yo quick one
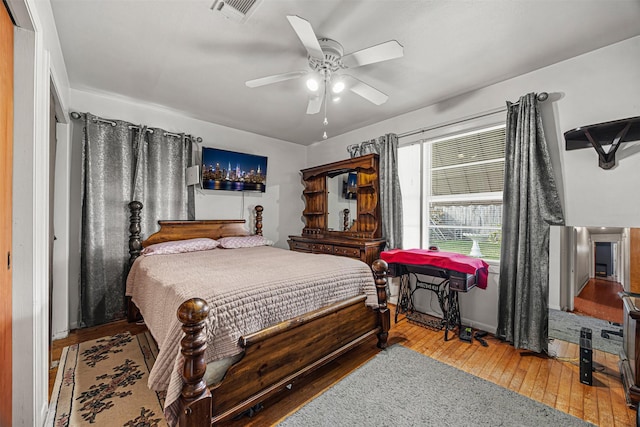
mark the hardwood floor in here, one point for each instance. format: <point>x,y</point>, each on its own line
<point>599,298</point>
<point>552,381</point>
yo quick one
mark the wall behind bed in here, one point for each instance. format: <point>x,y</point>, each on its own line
<point>282,199</point>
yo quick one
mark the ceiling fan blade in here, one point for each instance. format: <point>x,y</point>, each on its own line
<point>307,36</point>
<point>381,52</point>
<point>369,93</point>
<point>315,103</point>
<point>275,78</point>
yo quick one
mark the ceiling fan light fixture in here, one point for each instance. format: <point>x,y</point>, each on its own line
<point>338,86</point>
<point>313,83</point>
<point>326,59</point>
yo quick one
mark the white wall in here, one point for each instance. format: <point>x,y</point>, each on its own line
<point>582,258</point>
<point>599,86</point>
<point>282,199</point>
<point>560,256</point>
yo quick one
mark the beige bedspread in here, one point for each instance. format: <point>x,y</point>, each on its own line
<point>247,290</point>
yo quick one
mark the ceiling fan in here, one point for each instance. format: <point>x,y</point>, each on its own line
<point>326,57</point>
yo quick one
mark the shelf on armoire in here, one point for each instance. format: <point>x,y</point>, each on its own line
<point>366,187</point>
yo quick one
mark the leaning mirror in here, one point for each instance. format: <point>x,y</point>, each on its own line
<point>341,201</point>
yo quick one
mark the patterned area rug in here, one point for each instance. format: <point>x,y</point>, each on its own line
<point>104,383</point>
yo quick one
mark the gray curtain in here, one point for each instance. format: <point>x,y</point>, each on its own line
<point>530,205</point>
<point>386,147</point>
<point>160,177</point>
<point>121,162</point>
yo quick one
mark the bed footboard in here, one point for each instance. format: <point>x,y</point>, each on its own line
<point>275,357</point>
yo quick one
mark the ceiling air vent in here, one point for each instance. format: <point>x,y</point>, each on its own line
<point>236,10</point>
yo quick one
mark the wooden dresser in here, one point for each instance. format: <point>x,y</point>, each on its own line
<point>326,205</point>
<point>367,250</point>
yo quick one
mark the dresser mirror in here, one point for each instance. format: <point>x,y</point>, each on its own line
<point>330,191</point>
<point>341,201</point>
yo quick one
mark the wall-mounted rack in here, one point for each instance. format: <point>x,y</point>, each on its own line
<point>611,133</point>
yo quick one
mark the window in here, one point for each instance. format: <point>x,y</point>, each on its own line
<point>452,192</point>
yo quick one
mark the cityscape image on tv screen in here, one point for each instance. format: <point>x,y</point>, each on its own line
<point>230,170</point>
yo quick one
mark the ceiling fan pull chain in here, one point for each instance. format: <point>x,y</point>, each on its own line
<point>326,122</point>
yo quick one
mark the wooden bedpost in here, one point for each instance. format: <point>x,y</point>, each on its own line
<point>259,210</point>
<point>380,270</point>
<point>135,244</point>
<point>195,399</point>
<point>135,247</point>
<point>345,222</point>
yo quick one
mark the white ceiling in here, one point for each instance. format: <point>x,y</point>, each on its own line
<point>605,230</point>
<point>180,54</point>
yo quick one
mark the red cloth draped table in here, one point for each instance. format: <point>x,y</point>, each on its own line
<point>457,273</point>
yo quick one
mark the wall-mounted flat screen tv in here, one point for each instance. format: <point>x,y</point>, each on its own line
<point>233,171</point>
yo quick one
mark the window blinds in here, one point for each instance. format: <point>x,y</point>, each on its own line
<point>472,163</point>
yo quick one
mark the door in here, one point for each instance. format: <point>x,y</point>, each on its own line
<point>6,183</point>
<point>603,263</point>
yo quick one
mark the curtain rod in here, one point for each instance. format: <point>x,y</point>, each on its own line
<point>75,115</point>
<point>542,96</point>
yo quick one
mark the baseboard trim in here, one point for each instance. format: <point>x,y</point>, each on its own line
<point>479,325</point>
<point>60,335</point>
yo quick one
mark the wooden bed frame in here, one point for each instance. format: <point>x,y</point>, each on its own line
<point>275,357</point>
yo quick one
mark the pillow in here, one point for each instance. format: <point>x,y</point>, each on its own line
<point>244,242</point>
<point>181,246</point>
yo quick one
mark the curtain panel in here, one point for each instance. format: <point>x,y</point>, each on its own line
<point>530,205</point>
<point>160,177</point>
<point>386,147</point>
<point>122,163</point>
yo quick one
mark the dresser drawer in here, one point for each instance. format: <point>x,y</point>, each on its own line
<point>346,251</point>
<point>320,247</point>
<point>300,246</point>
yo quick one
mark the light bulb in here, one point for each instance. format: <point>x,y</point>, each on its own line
<point>312,84</point>
<point>324,135</point>
<point>326,122</point>
<point>338,86</point>
<point>336,99</point>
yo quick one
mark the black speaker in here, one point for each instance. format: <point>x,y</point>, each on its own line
<point>586,357</point>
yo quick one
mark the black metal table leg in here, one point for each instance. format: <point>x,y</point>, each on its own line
<point>404,296</point>
<point>453,313</point>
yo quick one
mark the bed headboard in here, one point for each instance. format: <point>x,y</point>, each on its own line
<point>179,230</point>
